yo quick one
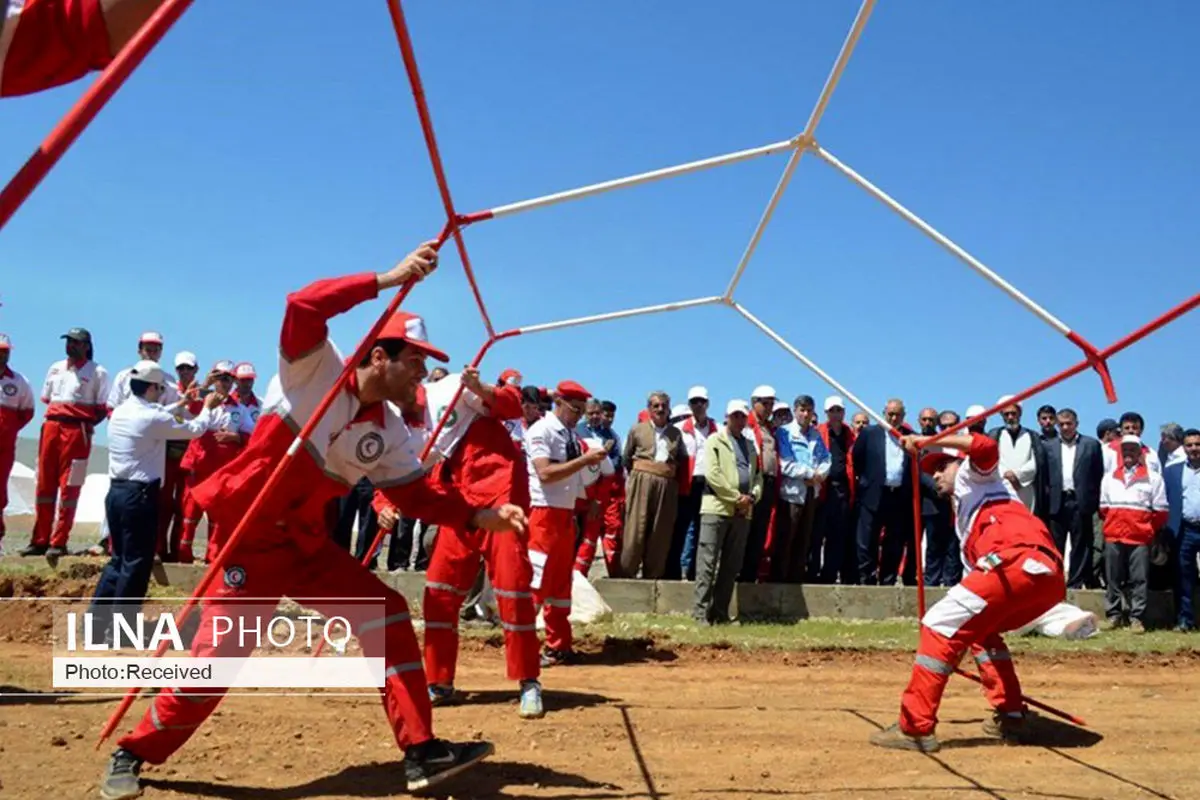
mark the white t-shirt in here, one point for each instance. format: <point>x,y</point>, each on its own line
<point>466,410</point>
<point>549,438</point>
<point>594,472</point>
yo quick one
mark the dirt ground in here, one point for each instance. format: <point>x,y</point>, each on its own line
<point>639,720</point>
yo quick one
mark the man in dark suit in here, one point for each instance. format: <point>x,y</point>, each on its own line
<point>883,500</point>
<point>1073,495</point>
<point>1182,481</point>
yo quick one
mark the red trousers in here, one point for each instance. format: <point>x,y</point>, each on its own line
<point>324,580</point>
<point>8,454</point>
<point>592,526</point>
<point>1026,584</point>
<point>192,514</point>
<point>63,451</point>
<point>552,543</point>
<point>170,510</point>
<point>452,571</point>
<point>613,512</point>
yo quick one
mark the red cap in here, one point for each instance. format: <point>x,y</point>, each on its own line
<point>410,328</point>
<point>570,390</point>
<point>151,337</point>
<point>244,370</point>
<point>935,457</point>
<point>5,342</point>
<point>510,376</point>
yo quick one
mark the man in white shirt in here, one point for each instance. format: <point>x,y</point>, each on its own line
<point>681,560</point>
<point>138,432</point>
<point>1021,455</point>
<point>554,459</point>
<point>16,410</point>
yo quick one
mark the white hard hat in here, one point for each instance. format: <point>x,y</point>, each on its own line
<point>763,392</point>
<point>186,358</point>
<point>697,393</point>
<point>148,371</point>
<point>1130,438</point>
<point>833,401</point>
<point>737,407</point>
<point>975,410</point>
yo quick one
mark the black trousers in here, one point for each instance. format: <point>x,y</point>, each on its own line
<point>131,509</point>
<point>760,522</point>
<point>1071,525</point>
<point>879,561</point>
<point>834,551</point>
<point>687,515</point>
<point>943,560</point>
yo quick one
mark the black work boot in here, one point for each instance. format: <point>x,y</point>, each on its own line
<point>121,777</point>
<point>33,550</point>
<point>55,552</point>
<point>434,761</point>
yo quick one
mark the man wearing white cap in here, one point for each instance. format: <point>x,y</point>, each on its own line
<point>681,561</point>
<point>137,435</point>
<point>16,410</point>
<point>760,432</point>
<point>734,485</point>
<point>1022,459</point>
<point>1133,506</point>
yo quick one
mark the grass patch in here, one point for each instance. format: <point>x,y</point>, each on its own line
<point>888,635</point>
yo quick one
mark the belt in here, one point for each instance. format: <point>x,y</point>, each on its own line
<point>70,420</point>
<point>660,468</point>
<point>128,482</point>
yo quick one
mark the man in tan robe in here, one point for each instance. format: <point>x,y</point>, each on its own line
<point>656,462</point>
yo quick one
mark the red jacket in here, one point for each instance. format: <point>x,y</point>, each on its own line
<point>296,509</point>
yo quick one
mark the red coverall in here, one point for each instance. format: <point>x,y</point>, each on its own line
<point>591,526</point>
<point>170,498</point>
<point>552,530</point>
<point>76,395</point>
<point>1015,577</point>
<point>16,410</point>
<point>50,42</point>
<point>205,455</point>
<point>489,471</point>
<point>289,550</point>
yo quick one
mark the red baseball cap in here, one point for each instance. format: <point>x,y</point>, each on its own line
<point>410,328</point>
<point>570,390</point>
<point>510,376</point>
<point>935,457</point>
<point>244,370</point>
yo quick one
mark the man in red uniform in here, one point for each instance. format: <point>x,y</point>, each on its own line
<point>16,409</point>
<point>46,43</point>
<point>205,455</point>
<point>75,393</point>
<point>555,460</point>
<point>1015,575</point>
<point>288,549</point>
<point>174,485</point>
<point>479,460</point>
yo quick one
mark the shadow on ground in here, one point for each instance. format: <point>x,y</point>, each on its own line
<point>19,696</point>
<point>489,779</point>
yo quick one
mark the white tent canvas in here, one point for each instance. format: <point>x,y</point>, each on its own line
<point>22,487</point>
<point>91,499</point>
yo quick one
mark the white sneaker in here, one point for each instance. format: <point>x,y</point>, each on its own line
<point>531,700</point>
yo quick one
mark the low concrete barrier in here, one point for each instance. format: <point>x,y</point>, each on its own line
<point>768,601</point>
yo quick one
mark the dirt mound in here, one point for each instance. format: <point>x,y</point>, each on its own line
<point>29,601</point>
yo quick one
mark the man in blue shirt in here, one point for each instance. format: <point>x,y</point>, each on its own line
<point>804,463</point>
<point>1182,480</point>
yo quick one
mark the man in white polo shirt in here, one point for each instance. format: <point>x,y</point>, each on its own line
<point>695,429</point>
<point>138,432</point>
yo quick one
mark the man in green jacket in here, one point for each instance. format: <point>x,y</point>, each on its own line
<point>734,486</point>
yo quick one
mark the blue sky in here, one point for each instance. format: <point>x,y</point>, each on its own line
<point>257,150</point>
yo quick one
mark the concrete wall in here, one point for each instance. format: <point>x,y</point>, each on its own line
<point>751,601</point>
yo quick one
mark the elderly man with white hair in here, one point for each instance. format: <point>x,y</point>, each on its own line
<point>1022,458</point>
